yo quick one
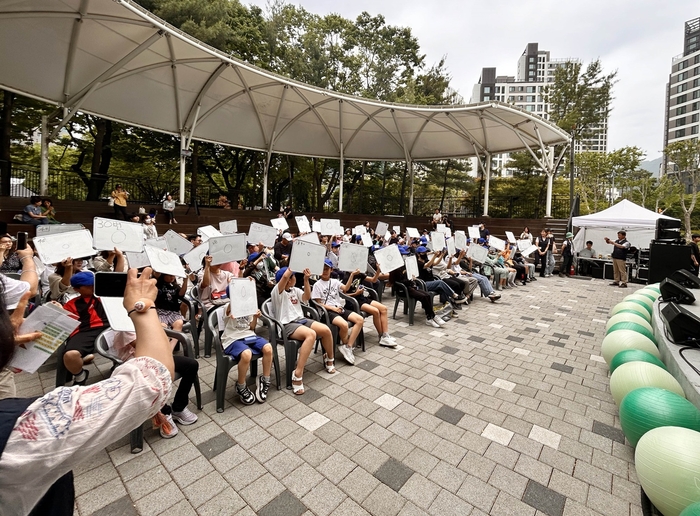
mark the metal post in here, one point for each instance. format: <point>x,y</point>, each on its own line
<point>266,173</point>
<point>410,196</point>
<point>183,149</point>
<point>571,174</point>
<point>548,210</point>
<point>342,169</point>
<point>44,170</point>
<point>487,177</point>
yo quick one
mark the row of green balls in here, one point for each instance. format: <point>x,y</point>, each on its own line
<point>654,414</point>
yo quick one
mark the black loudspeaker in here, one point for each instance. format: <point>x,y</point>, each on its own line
<point>683,325</point>
<point>685,278</point>
<point>666,258</point>
<point>672,291</point>
<point>668,230</point>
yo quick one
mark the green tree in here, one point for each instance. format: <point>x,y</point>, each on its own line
<point>685,155</point>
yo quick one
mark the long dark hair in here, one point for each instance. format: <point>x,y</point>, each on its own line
<point>7,334</point>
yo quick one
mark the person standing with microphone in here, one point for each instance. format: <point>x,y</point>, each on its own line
<point>120,197</point>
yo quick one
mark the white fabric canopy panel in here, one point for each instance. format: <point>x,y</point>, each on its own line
<point>113,59</point>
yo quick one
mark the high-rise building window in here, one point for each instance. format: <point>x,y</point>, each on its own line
<point>511,89</point>
<point>694,129</point>
<point>682,98</point>
<point>695,106</point>
<point>680,110</point>
<point>680,133</point>
<point>694,118</point>
<point>696,82</point>
<point>682,87</point>
<point>487,89</point>
<point>681,76</point>
<point>520,88</point>
<point>530,89</point>
<point>486,98</point>
<point>531,66</point>
<point>680,122</point>
<point>696,94</point>
<point>682,65</point>
<point>531,73</point>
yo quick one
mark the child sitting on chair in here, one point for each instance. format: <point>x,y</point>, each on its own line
<point>240,333</point>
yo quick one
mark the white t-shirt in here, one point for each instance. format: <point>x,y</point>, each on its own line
<point>287,305</point>
<point>217,283</point>
<point>13,290</point>
<point>328,292</point>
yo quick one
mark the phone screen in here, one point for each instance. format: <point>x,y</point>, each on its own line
<point>110,284</point>
<point>21,240</point>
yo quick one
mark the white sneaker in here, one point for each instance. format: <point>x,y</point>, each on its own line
<point>431,322</point>
<point>347,354</point>
<point>185,417</point>
<point>439,320</point>
<point>387,342</point>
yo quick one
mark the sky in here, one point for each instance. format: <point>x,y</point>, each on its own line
<point>636,38</point>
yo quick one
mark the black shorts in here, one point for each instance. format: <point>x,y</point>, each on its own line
<point>345,314</point>
<point>84,341</point>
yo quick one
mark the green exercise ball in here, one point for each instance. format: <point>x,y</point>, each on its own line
<point>650,407</point>
<point>692,510</point>
<point>620,340</point>
<point>641,297</point>
<point>656,287</point>
<point>638,307</point>
<point>634,327</point>
<point>634,355</point>
<point>640,301</point>
<point>667,461</point>
<point>628,316</point>
<point>647,292</point>
<point>635,375</point>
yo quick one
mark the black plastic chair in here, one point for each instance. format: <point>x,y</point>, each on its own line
<point>278,337</point>
<point>102,346</point>
<point>224,362</point>
<point>203,322</point>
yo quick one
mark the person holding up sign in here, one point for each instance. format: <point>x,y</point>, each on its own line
<point>286,304</point>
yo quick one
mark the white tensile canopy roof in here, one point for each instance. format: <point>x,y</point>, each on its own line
<point>625,214</point>
<point>116,60</point>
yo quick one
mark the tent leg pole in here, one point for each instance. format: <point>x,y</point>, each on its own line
<point>183,148</point>
<point>266,173</point>
<point>410,194</point>
<point>548,213</point>
<point>44,170</point>
<point>487,177</point>
<point>340,182</point>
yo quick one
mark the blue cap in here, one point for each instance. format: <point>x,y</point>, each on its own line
<point>280,273</point>
<point>82,279</point>
<point>404,250</point>
<point>421,249</point>
<point>424,239</point>
<point>328,263</point>
<point>335,243</point>
<point>253,257</point>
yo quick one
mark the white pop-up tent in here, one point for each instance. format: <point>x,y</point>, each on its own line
<point>638,222</point>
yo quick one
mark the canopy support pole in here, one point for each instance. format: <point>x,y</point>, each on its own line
<point>487,177</point>
<point>183,151</point>
<point>549,157</point>
<point>44,170</point>
<point>342,152</point>
<point>410,191</point>
<point>266,174</point>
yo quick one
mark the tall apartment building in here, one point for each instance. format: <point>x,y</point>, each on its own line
<point>535,71</point>
<point>682,120</point>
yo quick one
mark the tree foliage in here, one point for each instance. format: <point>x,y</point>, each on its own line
<point>685,155</point>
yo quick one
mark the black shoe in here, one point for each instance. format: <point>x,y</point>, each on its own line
<point>247,397</point>
<point>81,378</point>
<point>614,284</point>
<point>261,388</point>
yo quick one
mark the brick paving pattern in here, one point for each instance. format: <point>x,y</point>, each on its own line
<point>506,410</point>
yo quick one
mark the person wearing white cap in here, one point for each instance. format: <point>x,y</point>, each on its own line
<point>283,249</point>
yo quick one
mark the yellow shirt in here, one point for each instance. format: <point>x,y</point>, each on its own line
<point>119,198</point>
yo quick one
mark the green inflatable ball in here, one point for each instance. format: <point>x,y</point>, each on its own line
<point>650,407</point>
<point>634,327</point>
<point>646,292</point>
<point>634,355</point>
<point>635,375</point>
<point>641,297</point>
<point>620,340</point>
<point>628,316</point>
<point>692,510</point>
<point>656,287</point>
<point>638,307</point>
<point>667,461</point>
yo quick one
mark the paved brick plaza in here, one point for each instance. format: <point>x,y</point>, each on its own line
<point>504,411</point>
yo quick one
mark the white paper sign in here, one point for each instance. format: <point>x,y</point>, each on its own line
<point>50,229</point>
<point>125,236</point>
<point>262,233</point>
<point>244,300</point>
<point>165,262</point>
<point>227,248</point>
<point>397,229</point>
<point>529,249</point>
<point>207,232</point>
<point>359,230</point>
<point>511,237</point>
<point>306,255</point>
<point>412,267</point>
<point>367,240</point>
<point>331,227</point>
<point>310,237</point>
<point>137,260</point>
<point>389,258</point>
<point>474,233</point>
<point>57,247</point>
<point>195,256</point>
<point>352,257</point>
<point>316,226</point>
<point>438,240</point>
<point>440,228</point>
<point>177,244</point>
<point>477,253</point>
<point>413,232</point>
<point>303,224</point>
<point>382,228</point>
<point>280,223</point>
<point>228,227</point>
<point>159,243</point>
<point>460,240</point>
<point>497,243</point>
<point>451,246</point>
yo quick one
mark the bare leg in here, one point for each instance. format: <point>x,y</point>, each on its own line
<point>357,321</point>
<point>243,364</point>
<point>73,361</point>
<point>267,359</point>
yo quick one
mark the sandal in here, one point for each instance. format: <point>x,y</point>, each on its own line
<point>297,389</point>
<point>329,364</point>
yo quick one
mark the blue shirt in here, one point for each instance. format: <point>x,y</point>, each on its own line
<point>30,208</point>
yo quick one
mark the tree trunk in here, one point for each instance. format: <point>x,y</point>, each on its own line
<point>403,188</point>
<point>5,156</point>
<point>382,203</point>
<point>195,170</point>
<point>362,184</point>
<point>290,168</point>
<point>101,159</point>
<point>444,185</point>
